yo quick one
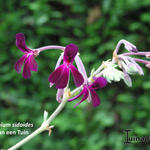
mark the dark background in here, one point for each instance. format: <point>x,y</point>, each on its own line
<point>95,26</point>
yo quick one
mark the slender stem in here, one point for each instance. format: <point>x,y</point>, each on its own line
<point>43,127</point>
<point>45,124</point>
<point>28,138</point>
<point>50,47</point>
<point>99,74</point>
<point>57,111</point>
<point>76,90</point>
<point>118,46</point>
<point>98,70</point>
<point>115,52</point>
<point>138,53</point>
<point>141,61</point>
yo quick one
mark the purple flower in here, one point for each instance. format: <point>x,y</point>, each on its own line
<point>28,59</point>
<point>89,91</point>
<point>60,76</point>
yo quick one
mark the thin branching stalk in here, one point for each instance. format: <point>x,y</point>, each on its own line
<point>45,125</point>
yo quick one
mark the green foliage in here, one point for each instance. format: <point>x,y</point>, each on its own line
<point>96,27</point>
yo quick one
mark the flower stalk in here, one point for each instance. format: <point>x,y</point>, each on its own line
<point>42,128</point>
<point>50,47</point>
<point>45,125</point>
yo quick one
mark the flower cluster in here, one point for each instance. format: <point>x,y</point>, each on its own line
<point>60,76</point>
<point>120,67</point>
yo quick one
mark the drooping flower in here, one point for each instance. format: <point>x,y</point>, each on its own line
<point>88,91</point>
<point>127,64</point>
<point>28,59</point>
<point>81,69</point>
<point>60,76</point>
<point>130,65</point>
<point>129,46</point>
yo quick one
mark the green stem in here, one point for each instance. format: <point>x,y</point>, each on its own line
<point>45,124</point>
<point>28,138</point>
<point>43,127</point>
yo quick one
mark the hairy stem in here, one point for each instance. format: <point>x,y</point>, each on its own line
<point>43,127</point>
<point>56,112</point>
<point>28,138</point>
<point>45,124</point>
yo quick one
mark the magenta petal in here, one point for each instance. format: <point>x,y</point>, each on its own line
<point>19,63</point>
<point>26,70</point>
<point>78,78</point>
<point>70,52</point>
<point>20,43</point>
<point>99,83</point>
<point>57,65</point>
<point>95,98</point>
<point>62,82</point>
<point>85,96</point>
<point>32,63</point>
<point>55,75</point>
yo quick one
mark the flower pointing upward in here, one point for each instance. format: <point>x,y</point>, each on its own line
<point>27,59</point>
<point>89,93</point>
<point>60,76</point>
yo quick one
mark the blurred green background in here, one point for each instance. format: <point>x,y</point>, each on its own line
<point>95,26</point>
